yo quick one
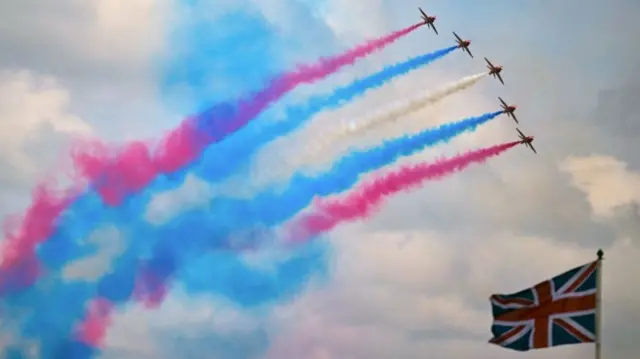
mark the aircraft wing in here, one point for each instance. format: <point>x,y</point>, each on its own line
<point>422,12</point>
<point>513,115</point>
<point>468,52</point>
<point>531,147</point>
<point>434,28</point>
<point>457,37</point>
<point>520,132</point>
<point>488,62</point>
<point>501,100</point>
<point>500,78</point>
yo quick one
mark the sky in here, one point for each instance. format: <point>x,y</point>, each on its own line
<point>413,280</point>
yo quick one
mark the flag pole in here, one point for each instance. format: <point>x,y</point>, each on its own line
<point>599,301</point>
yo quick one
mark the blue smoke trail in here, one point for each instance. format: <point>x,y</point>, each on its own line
<point>47,313</point>
<point>228,156</point>
<point>210,63</point>
<point>224,216</point>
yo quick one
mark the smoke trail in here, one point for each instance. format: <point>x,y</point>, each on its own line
<point>19,266</point>
<point>117,173</point>
<point>363,200</point>
<point>268,208</point>
<point>226,157</point>
<point>400,109</point>
<point>114,288</point>
<point>228,154</point>
<point>46,312</point>
<point>50,310</point>
<point>220,272</point>
<point>93,329</point>
<point>275,205</point>
<point>241,214</point>
<point>336,133</point>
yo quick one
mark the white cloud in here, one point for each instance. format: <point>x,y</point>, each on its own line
<point>34,111</point>
<point>108,244</point>
<point>83,39</point>
<point>217,314</point>
<point>345,18</point>
<point>605,181</point>
<point>131,28</point>
<point>193,193</point>
<point>404,259</point>
<point>136,330</point>
<point>395,309</point>
<point>500,261</point>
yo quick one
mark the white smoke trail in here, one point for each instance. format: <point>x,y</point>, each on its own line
<point>387,115</point>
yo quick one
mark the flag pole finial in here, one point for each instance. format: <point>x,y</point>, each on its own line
<point>600,254</point>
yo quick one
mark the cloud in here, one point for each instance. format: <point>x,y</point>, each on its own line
<point>339,16</point>
<point>36,126</point>
<point>605,181</point>
<point>29,103</point>
<point>109,245</point>
<point>182,325</point>
<point>100,39</point>
<point>611,188</point>
<point>165,205</point>
<point>401,294</point>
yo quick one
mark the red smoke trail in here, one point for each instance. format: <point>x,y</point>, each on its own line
<point>150,289</point>
<point>361,201</point>
<point>19,266</point>
<point>123,171</point>
<point>92,331</point>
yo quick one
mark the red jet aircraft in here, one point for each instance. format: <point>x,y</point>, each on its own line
<point>508,109</point>
<point>526,140</point>
<point>494,70</point>
<point>463,44</point>
<point>429,20</point>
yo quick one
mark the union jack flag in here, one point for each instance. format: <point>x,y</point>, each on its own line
<point>558,311</point>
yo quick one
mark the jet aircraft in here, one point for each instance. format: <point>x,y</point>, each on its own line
<point>494,70</point>
<point>463,44</point>
<point>508,109</point>
<point>526,140</point>
<point>428,20</point>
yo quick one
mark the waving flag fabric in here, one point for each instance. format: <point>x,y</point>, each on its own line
<point>558,311</point>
